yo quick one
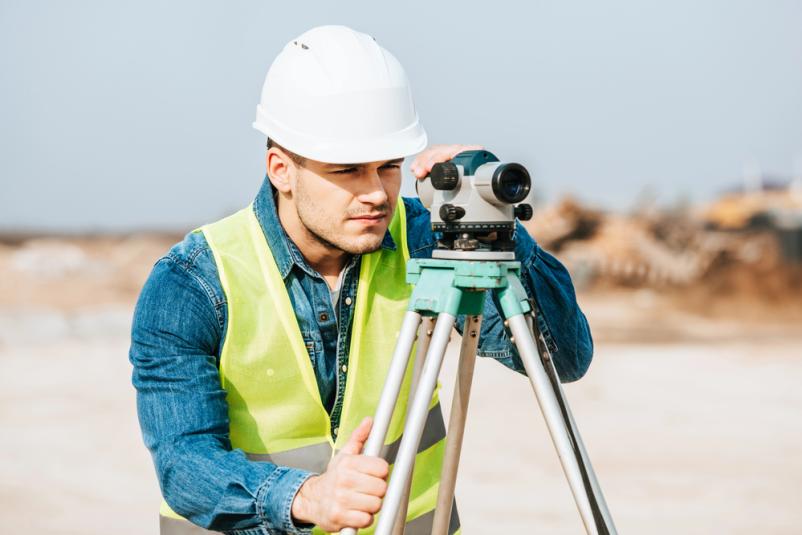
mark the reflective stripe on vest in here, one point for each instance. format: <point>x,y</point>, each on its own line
<point>275,411</point>
<point>315,457</point>
<point>417,526</point>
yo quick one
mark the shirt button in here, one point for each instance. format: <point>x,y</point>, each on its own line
<point>345,368</point>
<point>336,429</point>
<point>324,317</point>
<point>347,300</point>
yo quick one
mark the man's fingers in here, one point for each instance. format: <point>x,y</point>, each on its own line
<point>449,152</point>
<point>358,437</point>
<point>456,149</point>
<point>369,484</point>
<point>435,154</point>
<point>365,464</point>
<point>364,503</point>
<point>358,519</point>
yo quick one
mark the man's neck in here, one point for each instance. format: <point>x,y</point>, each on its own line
<point>326,260</point>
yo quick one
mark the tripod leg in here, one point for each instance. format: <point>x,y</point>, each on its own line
<point>578,474</point>
<point>424,337</point>
<point>456,424</point>
<point>416,421</point>
<point>392,386</point>
<point>548,363</point>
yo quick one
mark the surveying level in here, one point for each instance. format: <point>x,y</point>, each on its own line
<point>455,281</point>
<point>474,196</point>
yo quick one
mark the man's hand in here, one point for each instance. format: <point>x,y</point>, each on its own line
<point>349,492</point>
<point>424,161</point>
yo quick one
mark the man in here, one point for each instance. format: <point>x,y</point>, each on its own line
<point>259,342</point>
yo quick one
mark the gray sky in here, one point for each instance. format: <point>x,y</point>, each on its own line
<point>138,115</point>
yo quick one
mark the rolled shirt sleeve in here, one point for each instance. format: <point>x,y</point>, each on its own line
<point>183,414</point>
<point>563,325</point>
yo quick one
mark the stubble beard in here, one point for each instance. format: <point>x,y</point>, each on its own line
<point>321,226</point>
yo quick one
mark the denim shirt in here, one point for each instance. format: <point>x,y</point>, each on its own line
<point>178,330</point>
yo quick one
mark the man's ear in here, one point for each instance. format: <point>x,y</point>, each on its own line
<point>280,169</point>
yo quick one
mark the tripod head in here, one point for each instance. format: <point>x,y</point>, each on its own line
<point>474,200</point>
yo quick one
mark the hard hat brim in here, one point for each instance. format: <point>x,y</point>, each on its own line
<point>400,144</point>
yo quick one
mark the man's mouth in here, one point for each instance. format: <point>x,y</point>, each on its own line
<point>369,218</point>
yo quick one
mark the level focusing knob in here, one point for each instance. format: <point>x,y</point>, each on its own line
<point>523,212</point>
<point>449,212</point>
<point>445,176</point>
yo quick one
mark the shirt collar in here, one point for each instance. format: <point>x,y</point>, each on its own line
<point>285,252</point>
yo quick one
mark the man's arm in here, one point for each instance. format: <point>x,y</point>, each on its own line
<point>183,413</point>
<point>564,326</point>
<point>562,322</point>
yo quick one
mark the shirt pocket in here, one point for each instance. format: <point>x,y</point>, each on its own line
<point>314,347</point>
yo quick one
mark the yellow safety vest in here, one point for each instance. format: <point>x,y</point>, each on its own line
<point>274,405</point>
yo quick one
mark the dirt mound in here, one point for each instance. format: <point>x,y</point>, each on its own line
<point>71,272</point>
<point>681,254</point>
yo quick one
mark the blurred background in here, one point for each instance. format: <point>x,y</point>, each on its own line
<point>665,142</point>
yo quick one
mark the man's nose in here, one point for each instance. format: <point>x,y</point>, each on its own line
<point>373,191</point>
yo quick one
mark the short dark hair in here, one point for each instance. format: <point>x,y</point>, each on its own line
<point>296,158</point>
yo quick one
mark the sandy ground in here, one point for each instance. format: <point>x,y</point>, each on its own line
<point>693,425</point>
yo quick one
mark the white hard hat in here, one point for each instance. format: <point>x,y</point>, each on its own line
<point>334,95</point>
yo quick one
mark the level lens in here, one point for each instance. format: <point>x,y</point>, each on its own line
<point>511,183</point>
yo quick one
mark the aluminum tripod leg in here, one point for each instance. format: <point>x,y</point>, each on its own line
<point>548,363</point>
<point>425,332</point>
<point>592,510</point>
<point>448,287</point>
<point>416,421</point>
<point>392,386</point>
<point>456,424</point>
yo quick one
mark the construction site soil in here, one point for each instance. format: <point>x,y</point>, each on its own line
<point>690,410</point>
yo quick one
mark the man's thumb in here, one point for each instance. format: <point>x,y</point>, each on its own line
<point>358,437</point>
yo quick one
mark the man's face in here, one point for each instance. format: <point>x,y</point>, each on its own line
<point>347,206</point>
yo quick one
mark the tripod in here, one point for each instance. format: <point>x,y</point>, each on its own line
<point>455,283</point>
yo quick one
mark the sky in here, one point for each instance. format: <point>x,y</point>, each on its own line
<point>137,116</point>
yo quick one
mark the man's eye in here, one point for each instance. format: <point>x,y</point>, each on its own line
<point>350,170</point>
